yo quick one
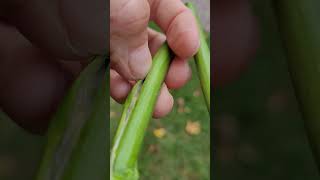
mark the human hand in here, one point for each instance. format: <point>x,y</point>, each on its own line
<point>132,45</point>
<point>36,53</point>
<point>235,40</point>
<point>44,45</point>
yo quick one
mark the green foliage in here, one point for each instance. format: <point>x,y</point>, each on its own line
<point>77,144</point>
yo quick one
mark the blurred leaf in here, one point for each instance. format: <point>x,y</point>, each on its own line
<point>78,135</point>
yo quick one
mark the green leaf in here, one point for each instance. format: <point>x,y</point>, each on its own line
<point>77,146</point>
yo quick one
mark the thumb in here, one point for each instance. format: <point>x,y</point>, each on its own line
<point>129,52</point>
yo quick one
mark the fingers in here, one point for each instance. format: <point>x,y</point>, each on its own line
<point>119,87</point>
<point>32,83</point>
<point>130,55</point>
<point>63,29</point>
<point>179,73</point>
<point>179,25</point>
<point>74,67</point>
<point>234,24</point>
<point>155,40</point>
<point>132,64</point>
<point>164,103</point>
<point>86,24</point>
<point>33,93</point>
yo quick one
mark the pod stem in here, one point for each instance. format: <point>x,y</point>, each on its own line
<point>202,59</point>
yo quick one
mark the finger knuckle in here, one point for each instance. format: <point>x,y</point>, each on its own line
<point>131,15</point>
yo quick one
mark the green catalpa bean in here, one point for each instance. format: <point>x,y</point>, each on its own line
<point>137,112</point>
<point>300,28</point>
<point>202,59</point>
<point>77,140</point>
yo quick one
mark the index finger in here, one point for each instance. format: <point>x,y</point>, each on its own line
<point>179,25</point>
<point>68,29</point>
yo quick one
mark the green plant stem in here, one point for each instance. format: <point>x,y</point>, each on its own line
<point>137,112</point>
<point>300,28</point>
<point>202,59</point>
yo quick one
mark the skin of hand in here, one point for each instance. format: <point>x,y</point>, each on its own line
<point>132,45</point>
<point>236,40</point>
<point>45,44</point>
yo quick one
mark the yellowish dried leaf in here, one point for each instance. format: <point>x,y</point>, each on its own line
<point>180,110</point>
<point>113,114</point>
<point>180,101</point>
<point>159,133</point>
<point>153,148</point>
<point>193,128</point>
<point>197,93</point>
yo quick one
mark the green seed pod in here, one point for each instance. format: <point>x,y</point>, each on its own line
<point>202,59</point>
<point>77,140</point>
<point>136,114</point>
<point>300,28</point>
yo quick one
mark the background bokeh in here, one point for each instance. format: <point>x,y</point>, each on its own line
<point>258,129</point>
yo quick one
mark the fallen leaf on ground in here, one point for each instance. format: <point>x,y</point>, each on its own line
<point>193,128</point>
<point>159,133</point>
